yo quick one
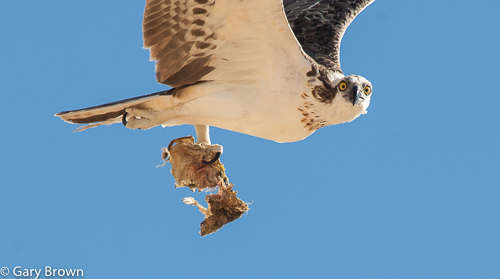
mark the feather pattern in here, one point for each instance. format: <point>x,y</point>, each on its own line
<point>179,39</point>
<point>319,26</point>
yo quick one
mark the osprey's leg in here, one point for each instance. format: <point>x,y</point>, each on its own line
<point>203,137</point>
<point>202,134</point>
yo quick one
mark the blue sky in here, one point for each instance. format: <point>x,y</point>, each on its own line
<point>410,190</point>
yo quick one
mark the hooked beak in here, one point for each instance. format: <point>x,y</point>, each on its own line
<point>356,95</point>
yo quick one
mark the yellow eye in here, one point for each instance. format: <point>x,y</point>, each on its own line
<point>343,86</point>
<point>368,90</point>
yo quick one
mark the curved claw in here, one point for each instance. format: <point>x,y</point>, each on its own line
<point>124,119</point>
<point>216,157</point>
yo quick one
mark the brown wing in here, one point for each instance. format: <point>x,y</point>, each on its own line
<point>319,26</point>
<point>231,42</point>
<point>200,40</point>
<point>178,37</point>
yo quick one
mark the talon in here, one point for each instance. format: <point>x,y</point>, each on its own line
<point>216,157</point>
<point>182,140</point>
<point>124,119</point>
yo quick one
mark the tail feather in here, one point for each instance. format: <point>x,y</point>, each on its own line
<point>111,113</point>
<point>93,125</point>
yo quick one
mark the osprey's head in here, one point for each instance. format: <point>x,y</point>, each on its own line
<point>355,90</point>
<point>338,99</point>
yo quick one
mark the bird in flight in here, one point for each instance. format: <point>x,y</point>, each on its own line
<point>266,68</point>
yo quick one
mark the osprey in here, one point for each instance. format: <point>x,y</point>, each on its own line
<point>266,68</point>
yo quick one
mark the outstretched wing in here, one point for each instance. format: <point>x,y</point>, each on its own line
<point>199,40</point>
<point>227,41</point>
<point>319,26</point>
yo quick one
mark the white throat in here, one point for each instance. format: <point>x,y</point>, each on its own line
<point>342,111</point>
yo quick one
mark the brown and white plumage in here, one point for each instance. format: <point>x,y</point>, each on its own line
<point>320,25</point>
<point>266,68</point>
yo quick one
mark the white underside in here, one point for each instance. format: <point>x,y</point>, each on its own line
<point>251,110</point>
<point>248,110</point>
